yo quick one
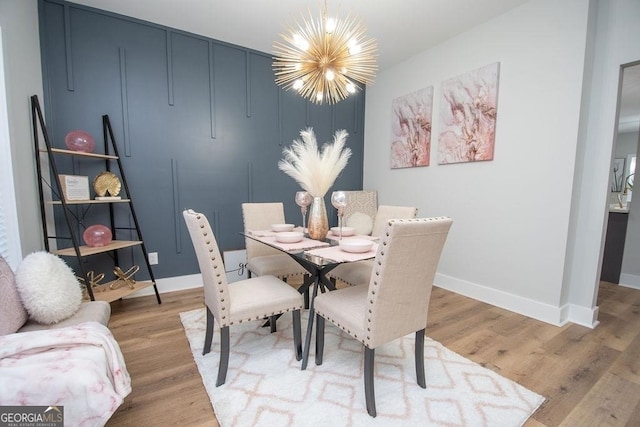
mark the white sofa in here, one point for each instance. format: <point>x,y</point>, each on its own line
<point>75,363</point>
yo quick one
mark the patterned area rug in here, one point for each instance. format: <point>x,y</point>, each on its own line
<point>265,386</point>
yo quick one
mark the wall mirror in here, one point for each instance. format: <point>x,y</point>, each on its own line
<point>621,257</point>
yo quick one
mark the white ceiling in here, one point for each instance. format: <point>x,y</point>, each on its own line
<point>402,28</point>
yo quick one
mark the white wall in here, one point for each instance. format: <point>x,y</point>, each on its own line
<point>511,215</point>
<point>23,78</point>
<point>626,143</point>
<point>10,247</point>
<point>616,43</point>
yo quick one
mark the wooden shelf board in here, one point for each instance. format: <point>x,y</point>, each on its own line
<point>104,293</point>
<point>90,250</point>
<point>80,153</point>
<point>88,202</point>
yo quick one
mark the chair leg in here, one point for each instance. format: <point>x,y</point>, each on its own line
<point>297,334</point>
<point>208,336</point>
<point>319,339</point>
<point>272,323</point>
<point>369,392</point>
<point>420,358</point>
<point>224,356</point>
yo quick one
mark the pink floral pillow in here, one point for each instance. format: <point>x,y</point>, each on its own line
<point>12,313</point>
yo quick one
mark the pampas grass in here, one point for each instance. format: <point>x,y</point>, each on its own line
<point>315,170</point>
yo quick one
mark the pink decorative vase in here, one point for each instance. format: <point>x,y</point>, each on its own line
<point>97,235</point>
<point>79,140</point>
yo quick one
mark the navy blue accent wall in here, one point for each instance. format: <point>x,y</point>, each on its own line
<point>199,124</point>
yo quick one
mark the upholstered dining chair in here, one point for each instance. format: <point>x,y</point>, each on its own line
<point>263,260</point>
<point>360,210</point>
<point>356,273</point>
<point>395,302</point>
<point>244,300</point>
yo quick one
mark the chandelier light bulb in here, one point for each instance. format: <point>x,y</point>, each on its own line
<point>322,58</point>
<point>300,42</point>
<point>330,25</point>
<point>354,47</point>
<point>329,75</point>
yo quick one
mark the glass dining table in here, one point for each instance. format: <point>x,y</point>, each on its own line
<point>318,258</point>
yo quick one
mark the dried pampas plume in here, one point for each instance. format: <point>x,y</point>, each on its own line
<point>315,170</point>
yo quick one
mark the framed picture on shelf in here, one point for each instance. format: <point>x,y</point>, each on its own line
<point>75,187</point>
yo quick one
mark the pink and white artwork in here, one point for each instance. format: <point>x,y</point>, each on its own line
<point>468,116</point>
<point>411,129</point>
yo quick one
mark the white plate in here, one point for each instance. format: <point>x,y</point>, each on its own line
<point>289,236</point>
<point>356,245</point>
<point>346,231</point>
<point>282,227</point>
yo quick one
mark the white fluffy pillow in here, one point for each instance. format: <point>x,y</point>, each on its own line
<point>48,288</point>
<point>362,222</point>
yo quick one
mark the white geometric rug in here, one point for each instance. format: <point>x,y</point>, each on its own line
<point>265,386</point>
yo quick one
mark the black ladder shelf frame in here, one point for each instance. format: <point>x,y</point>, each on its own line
<point>109,141</point>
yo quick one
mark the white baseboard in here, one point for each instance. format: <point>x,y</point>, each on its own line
<point>583,316</point>
<point>236,259</point>
<point>171,284</point>
<point>557,316</point>
<point>629,281</point>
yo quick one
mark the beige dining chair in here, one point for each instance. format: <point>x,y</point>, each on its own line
<point>360,210</point>
<point>396,300</point>
<point>263,260</point>
<point>356,273</point>
<point>245,300</point>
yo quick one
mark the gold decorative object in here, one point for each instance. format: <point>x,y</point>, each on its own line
<point>124,277</point>
<point>106,182</point>
<point>324,58</point>
<point>94,282</point>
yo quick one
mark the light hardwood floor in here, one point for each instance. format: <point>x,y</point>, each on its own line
<point>590,377</point>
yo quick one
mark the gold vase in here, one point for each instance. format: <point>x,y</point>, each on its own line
<point>318,224</point>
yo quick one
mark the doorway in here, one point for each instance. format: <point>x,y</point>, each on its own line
<point>622,252</point>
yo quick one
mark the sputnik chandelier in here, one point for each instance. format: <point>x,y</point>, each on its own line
<point>324,59</point>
